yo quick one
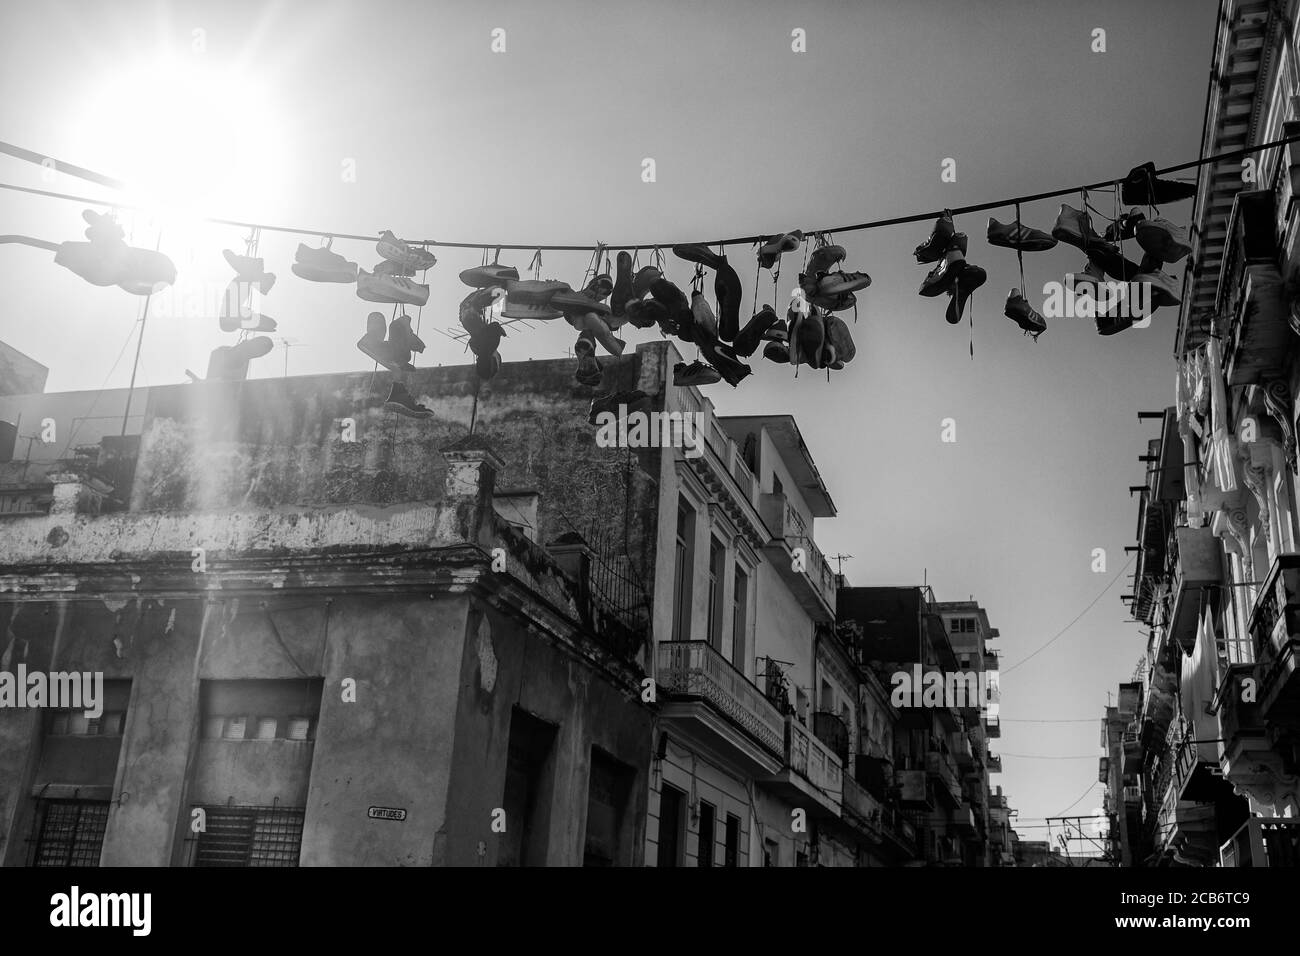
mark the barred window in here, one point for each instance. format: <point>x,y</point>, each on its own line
<point>248,836</point>
<point>68,832</point>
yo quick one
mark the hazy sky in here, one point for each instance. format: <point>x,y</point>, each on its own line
<point>544,143</point>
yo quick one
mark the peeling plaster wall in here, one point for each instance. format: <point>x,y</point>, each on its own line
<point>503,667</point>
<point>269,443</point>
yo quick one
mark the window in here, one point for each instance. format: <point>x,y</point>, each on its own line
<point>249,837</point>
<point>683,571</point>
<point>607,793</point>
<point>828,697</point>
<point>739,617</point>
<point>261,709</point>
<point>704,856</point>
<point>962,625</point>
<point>717,573</point>
<point>731,852</point>
<point>68,832</point>
<point>526,799</point>
<point>771,853</point>
<point>670,825</point>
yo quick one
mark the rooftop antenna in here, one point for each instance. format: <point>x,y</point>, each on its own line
<point>289,344</point>
<point>839,560</point>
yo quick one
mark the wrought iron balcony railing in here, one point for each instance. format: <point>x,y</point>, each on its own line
<point>695,669</point>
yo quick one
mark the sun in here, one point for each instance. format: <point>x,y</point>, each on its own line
<point>188,138</point>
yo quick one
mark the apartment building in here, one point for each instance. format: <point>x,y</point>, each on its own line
<point>1216,730</point>
<point>933,782</point>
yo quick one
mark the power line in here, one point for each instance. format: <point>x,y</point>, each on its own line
<point>1036,720</point>
<point>1061,632</point>
<point>1082,796</point>
<point>31,156</point>
<point>1050,756</point>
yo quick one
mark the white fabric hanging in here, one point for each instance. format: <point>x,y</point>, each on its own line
<point>1220,457</point>
<point>1186,423</point>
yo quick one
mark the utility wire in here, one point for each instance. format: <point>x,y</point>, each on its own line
<point>1082,797</point>
<point>30,156</point>
<point>1050,756</point>
<point>1061,632</point>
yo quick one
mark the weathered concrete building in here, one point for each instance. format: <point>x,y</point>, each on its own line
<point>352,637</point>
<point>331,635</point>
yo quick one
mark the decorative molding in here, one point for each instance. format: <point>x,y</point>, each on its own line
<point>1276,393</point>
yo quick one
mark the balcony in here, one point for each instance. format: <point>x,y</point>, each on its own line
<point>1132,747</point>
<point>805,571</point>
<point>899,829</point>
<point>712,699</point>
<point>1103,770</point>
<point>992,726</point>
<point>963,820</point>
<point>946,784</point>
<point>1274,624</point>
<point>993,762</point>
<point>961,749</point>
<point>914,791</point>
<point>1263,841</point>
<point>811,775</point>
<point>861,809</point>
<point>833,732</point>
<point>1198,565</point>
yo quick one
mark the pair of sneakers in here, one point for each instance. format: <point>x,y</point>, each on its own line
<point>393,351</point>
<point>401,400</point>
<point>952,274</point>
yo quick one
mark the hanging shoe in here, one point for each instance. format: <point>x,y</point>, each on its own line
<point>777,352</point>
<point>622,293</point>
<point>401,335</point>
<point>1109,323</point>
<point>611,403</point>
<point>933,248</point>
<point>970,279</point>
<point>387,267</point>
<point>703,315</point>
<point>1163,239</point>
<point>474,306</point>
<point>599,288</point>
<point>646,313</point>
<point>483,277</point>
<point>1109,259</point>
<point>102,227</point>
<point>240,355</point>
<point>747,339</point>
<point>1125,227</point>
<point>837,283</point>
<point>775,247</point>
<point>487,340</point>
<point>696,373</point>
<point>731,369</point>
<point>570,302</point>
<point>588,371</point>
<point>487,366</point>
<point>645,277</point>
<point>400,400</point>
<point>728,292</point>
<point>700,254</point>
<point>237,314</point>
<point>836,303</point>
<point>373,345</point>
<point>402,252</point>
<point>322,264</point>
<point>780,330</point>
<point>839,349</point>
<point>942,277</point>
<point>595,327</point>
<point>249,269</point>
<point>1074,228</point>
<point>1087,281</point>
<point>1141,188</point>
<point>1162,287</point>
<point>396,290</point>
<point>531,298</point>
<point>807,337</point>
<point>1024,315</point>
<point>823,259</point>
<point>674,300</point>
<point>1018,236</point>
